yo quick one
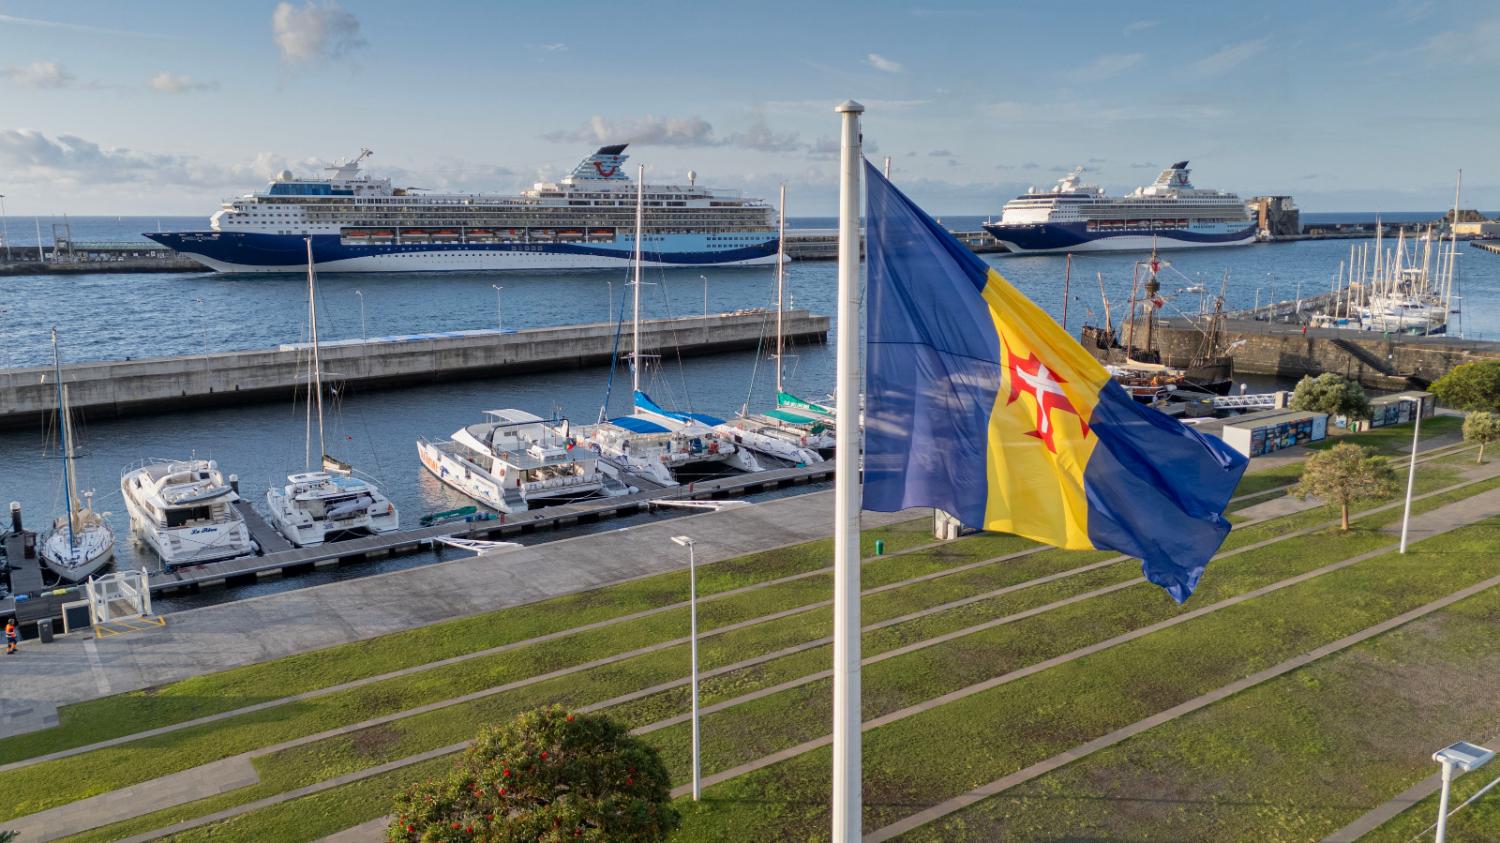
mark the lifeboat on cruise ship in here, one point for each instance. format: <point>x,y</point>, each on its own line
<point>356,234</point>
<point>601,232</point>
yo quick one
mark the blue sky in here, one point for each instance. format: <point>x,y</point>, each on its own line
<point>166,107</point>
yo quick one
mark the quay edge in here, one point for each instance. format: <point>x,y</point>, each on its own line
<point>115,388</point>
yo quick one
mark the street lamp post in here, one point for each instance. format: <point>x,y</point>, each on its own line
<point>364,330</point>
<point>611,294</point>
<point>499,314</point>
<point>687,542</point>
<point>704,278</point>
<point>1257,303</point>
<point>1411,473</point>
<point>1466,757</point>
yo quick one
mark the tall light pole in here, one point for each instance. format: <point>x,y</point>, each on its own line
<point>1411,473</point>
<point>499,314</point>
<point>687,542</point>
<point>364,330</point>
<point>1466,757</point>
<point>4,228</point>
<point>704,278</point>
<point>611,293</point>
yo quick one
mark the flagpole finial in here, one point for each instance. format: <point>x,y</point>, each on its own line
<point>849,107</point>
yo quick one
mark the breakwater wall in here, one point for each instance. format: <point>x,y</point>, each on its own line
<point>1380,361</point>
<point>163,384</point>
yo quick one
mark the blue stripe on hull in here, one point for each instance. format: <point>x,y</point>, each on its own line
<point>1052,236</point>
<point>290,250</point>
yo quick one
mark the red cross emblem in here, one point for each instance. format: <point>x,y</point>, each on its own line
<point>1032,376</point>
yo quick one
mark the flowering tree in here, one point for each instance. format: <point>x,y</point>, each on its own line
<point>547,775</point>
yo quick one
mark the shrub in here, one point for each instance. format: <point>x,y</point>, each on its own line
<point>1472,386</point>
<point>547,775</point>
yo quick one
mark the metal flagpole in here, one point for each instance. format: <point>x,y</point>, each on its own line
<point>846,496</point>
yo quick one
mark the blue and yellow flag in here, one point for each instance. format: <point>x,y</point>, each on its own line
<point>979,404</point>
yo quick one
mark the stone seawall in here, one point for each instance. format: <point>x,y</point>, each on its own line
<point>1376,360</point>
<point>123,387</point>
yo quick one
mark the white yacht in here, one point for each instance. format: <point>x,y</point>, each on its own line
<point>316,506</point>
<point>515,461</point>
<point>81,541</point>
<point>738,444</point>
<point>184,510</point>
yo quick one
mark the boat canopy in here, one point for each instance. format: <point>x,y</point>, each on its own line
<point>636,424</point>
<point>793,418</point>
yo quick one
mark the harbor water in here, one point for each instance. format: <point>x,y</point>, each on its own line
<point>117,316</point>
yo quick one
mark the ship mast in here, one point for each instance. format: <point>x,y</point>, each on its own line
<point>317,364</point>
<point>64,428</point>
<point>781,277</point>
<point>635,323</point>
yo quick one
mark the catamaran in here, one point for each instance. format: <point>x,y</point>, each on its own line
<point>651,442</point>
<point>515,461</point>
<point>79,542</point>
<point>316,505</point>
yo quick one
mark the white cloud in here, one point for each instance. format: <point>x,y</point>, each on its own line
<point>314,31</point>
<point>553,48</point>
<point>880,62</point>
<point>175,83</point>
<point>1105,66</point>
<point>39,74</point>
<point>1476,44</point>
<point>1139,26</point>
<point>1231,56</point>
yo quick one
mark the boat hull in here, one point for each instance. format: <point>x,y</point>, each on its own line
<point>95,548</point>
<point>474,482</point>
<point>1042,238</point>
<point>236,252</point>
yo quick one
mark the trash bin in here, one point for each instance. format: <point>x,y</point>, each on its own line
<point>44,630</point>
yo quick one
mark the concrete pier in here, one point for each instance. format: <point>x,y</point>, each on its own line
<point>160,384</point>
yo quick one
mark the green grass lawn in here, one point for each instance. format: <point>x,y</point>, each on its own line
<point>1294,759</point>
<point>911,679</point>
<point>932,756</point>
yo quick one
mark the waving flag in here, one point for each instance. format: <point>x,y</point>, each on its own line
<point>979,404</point>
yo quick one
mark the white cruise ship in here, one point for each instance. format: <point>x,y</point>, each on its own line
<point>584,221</point>
<point>1169,213</point>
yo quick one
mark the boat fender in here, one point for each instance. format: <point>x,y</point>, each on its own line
<point>20,597</point>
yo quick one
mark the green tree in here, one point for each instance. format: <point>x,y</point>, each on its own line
<point>1481,427</point>
<point>547,775</point>
<point>1344,474</point>
<point>1333,394</point>
<point>1472,386</point>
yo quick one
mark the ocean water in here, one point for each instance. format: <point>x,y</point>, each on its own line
<point>104,317</point>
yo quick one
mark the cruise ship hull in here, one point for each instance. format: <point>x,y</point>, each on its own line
<point>251,252</point>
<point>1040,238</point>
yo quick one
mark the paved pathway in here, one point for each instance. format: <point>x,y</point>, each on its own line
<point>1387,811</point>
<point>262,628</point>
<point>1439,520</point>
<point>186,786</point>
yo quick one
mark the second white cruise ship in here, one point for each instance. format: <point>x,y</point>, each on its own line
<point>1169,213</point>
<point>584,221</point>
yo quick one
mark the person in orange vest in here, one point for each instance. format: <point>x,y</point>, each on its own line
<point>10,637</point>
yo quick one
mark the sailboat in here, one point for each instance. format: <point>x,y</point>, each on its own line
<point>654,443</point>
<point>80,542</point>
<point>317,504</point>
<point>796,438</point>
